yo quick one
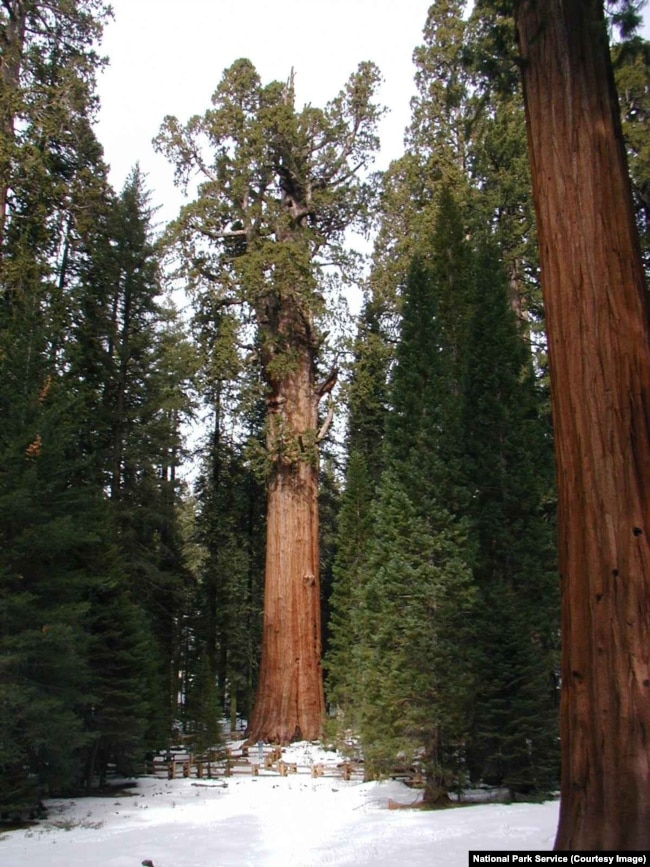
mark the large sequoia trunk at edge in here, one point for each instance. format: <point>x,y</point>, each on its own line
<point>290,704</point>
<point>599,346</point>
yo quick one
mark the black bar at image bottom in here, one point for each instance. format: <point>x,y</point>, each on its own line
<point>518,858</point>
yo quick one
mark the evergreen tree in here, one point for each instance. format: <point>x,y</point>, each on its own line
<point>125,702</point>
<point>415,591</point>
<point>415,599</point>
<point>202,710</point>
<point>345,631</point>
<point>145,395</point>
<point>54,537</point>
<point>70,672</point>
<point>225,623</point>
<point>366,399</point>
<point>47,96</point>
<point>631,60</point>
<point>228,604</point>
<point>55,528</point>
<point>279,187</point>
<point>509,475</point>
<point>329,503</point>
<point>128,366</point>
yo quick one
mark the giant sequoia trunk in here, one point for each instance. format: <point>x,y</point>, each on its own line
<point>278,190</point>
<point>289,704</point>
<point>599,346</point>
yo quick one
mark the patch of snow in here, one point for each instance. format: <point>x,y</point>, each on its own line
<point>271,821</point>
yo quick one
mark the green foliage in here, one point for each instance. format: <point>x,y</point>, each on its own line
<point>92,409</point>
<point>509,471</point>
<point>203,710</point>
<point>226,626</point>
<point>329,503</point>
<point>51,555</point>
<point>461,524</point>
<point>403,584</point>
<point>366,398</point>
<point>514,740</point>
<point>278,189</point>
<point>53,518</point>
<point>415,602</point>
<point>625,17</point>
<point>367,393</point>
<point>345,632</point>
<point>125,706</point>
<point>116,593</point>
<point>444,108</point>
<point>631,61</point>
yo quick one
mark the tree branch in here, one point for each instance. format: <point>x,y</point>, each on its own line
<point>328,384</point>
<point>217,236</point>
<point>328,421</point>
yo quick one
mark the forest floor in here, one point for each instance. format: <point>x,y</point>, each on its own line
<point>292,821</point>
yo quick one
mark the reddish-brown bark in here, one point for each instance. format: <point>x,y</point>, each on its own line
<point>597,325</point>
<point>289,704</point>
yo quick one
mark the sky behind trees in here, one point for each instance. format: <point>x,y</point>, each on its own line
<point>166,59</point>
<point>163,62</point>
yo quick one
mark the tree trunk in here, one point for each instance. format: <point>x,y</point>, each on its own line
<point>599,347</point>
<point>12,42</point>
<point>289,704</point>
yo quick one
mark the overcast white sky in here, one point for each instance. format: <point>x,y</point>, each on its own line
<point>167,57</point>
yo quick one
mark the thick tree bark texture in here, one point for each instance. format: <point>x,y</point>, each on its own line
<point>290,704</point>
<point>599,345</point>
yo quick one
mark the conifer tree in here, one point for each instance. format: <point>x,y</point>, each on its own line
<point>203,709</point>
<point>631,61</point>
<point>53,547</point>
<point>367,403</point>
<point>55,528</point>
<point>278,188</point>
<point>128,367</point>
<point>125,709</point>
<point>345,632</point>
<point>415,591</point>
<point>148,366</point>
<point>230,528</point>
<point>227,603</point>
<point>509,472</point>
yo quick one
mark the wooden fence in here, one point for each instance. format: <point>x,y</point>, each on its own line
<point>251,761</point>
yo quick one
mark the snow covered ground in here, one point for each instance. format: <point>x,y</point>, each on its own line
<point>293,821</point>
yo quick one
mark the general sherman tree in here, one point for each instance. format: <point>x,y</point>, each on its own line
<point>277,190</point>
<point>599,343</point>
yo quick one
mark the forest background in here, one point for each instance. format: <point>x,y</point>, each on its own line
<point>131,600</point>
